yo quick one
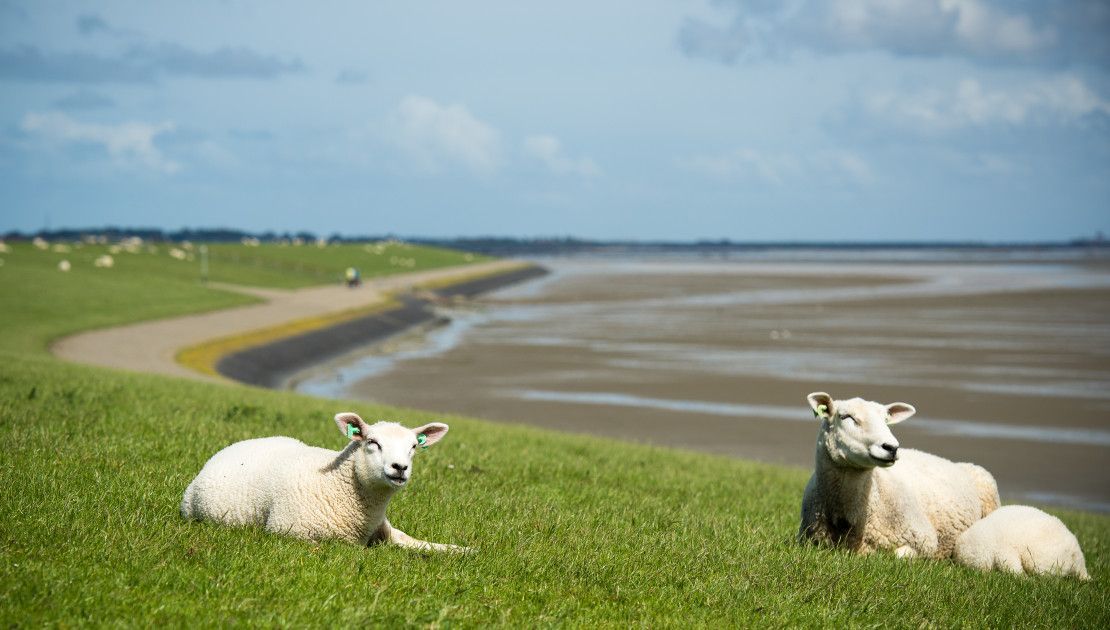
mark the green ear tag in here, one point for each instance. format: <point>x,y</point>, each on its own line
<point>820,411</point>
<point>351,431</point>
<point>422,440</point>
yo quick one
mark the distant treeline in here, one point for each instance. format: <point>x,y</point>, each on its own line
<point>199,235</point>
<point>507,246</point>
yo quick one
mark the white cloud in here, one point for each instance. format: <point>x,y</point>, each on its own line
<point>977,29</point>
<point>434,134</point>
<point>548,150</point>
<point>983,164</point>
<point>970,104</point>
<point>129,143</point>
<point>985,29</point>
<point>969,26</point>
<point>745,163</point>
<point>781,169</point>
<point>840,164</point>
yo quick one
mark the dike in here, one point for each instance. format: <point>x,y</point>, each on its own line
<point>271,364</point>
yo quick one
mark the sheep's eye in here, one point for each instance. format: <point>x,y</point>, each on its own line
<point>851,419</point>
<point>373,442</point>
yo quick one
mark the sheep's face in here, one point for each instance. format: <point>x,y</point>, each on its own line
<point>856,432</point>
<point>388,447</point>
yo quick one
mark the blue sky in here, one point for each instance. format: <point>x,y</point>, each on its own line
<point>760,120</point>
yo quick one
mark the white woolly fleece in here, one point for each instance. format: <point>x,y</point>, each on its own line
<point>1022,539</point>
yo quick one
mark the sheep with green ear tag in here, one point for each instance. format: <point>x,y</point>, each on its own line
<point>314,493</point>
<point>868,494</point>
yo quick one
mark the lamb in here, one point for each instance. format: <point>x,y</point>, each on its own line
<point>315,493</point>
<point>858,499</point>
<point>1021,539</point>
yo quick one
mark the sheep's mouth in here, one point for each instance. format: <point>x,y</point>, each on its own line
<point>885,462</point>
<point>399,479</point>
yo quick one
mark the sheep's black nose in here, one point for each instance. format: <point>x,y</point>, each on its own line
<point>401,467</point>
<point>890,448</point>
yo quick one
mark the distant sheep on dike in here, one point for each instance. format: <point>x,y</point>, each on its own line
<point>315,493</point>
<point>1021,539</point>
<point>866,494</point>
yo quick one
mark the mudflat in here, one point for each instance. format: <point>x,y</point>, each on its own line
<point>1008,365</point>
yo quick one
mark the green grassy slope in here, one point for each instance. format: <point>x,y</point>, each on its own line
<point>572,530</point>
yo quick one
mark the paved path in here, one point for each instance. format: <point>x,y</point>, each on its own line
<point>151,346</point>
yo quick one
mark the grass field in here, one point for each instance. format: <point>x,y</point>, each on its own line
<point>572,530</point>
<point>287,266</point>
<point>48,303</point>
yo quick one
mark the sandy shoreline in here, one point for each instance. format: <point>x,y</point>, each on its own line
<point>1013,374</point>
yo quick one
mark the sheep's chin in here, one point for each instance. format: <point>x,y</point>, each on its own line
<point>395,482</point>
<point>859,460</point>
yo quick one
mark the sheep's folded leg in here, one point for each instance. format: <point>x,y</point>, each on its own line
<point>401,539</point>
<point>905,551</point>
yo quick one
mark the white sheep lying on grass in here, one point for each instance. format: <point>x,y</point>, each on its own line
<point>860,499</point>
<point>1021,539</point>
<point>315,493</point>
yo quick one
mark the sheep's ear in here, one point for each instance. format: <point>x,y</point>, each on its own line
<point>821,404</point>
<point>350,425</point>
<point>897,412</point>
<point>432,432</point>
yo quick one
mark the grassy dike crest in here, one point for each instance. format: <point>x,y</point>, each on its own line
<point>572,531</point>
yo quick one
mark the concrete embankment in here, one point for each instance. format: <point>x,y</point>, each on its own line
<point>271,364</point>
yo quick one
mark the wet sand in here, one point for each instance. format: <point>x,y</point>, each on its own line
<point>1008,365</point>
